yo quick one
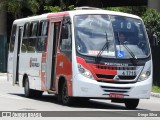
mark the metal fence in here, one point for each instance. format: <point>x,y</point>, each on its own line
<point>3,53</point>
<point>156,65</point>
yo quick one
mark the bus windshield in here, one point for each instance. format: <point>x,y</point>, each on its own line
<point>108,34</point>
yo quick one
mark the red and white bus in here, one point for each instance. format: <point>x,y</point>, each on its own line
<point>79,54</point>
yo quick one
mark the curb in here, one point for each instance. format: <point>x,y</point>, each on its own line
<point>155,95</point>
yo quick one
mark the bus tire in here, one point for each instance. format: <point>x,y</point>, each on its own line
<point>66,100</point>
<point>27,91</point>
<point>131,103</point>
<point>37,93</point>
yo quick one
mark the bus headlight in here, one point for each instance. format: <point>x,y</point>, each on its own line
<point>145,75</point>
<point>85,72</point>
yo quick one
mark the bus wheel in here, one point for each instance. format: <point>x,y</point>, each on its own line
<point>131,103</point>
<point>28,92</point>
<point>37,93</point>
<point>66,100</point>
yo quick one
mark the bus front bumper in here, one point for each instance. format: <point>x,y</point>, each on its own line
<point>85,87</point>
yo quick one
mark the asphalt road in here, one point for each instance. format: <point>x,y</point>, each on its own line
<point>12,99</point>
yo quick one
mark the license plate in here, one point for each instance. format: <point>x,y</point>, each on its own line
<point>128,73</point>
<point>115,95</point>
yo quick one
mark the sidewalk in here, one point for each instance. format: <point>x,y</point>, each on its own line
<point>155,95</point>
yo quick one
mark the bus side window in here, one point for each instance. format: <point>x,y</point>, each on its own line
<point>42,36</point>
<point>12,39</point>
<point>26,30</point>
<point>33,37</point>
<point>65,43</point>
<point>34,29</point>
<point>25,37</point>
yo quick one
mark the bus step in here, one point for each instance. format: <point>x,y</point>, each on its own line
<point>51,92</point>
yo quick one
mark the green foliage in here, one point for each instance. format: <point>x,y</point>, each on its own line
<point>33,5</point>
<point>15,6</point>
<point>52,9</point>
<point>156,89</point>
<point>56,8</point>
<point>119,9</point>
<point>12,6</point>
<point>132,10</point>
<point>152,21</point>
<point>71,7</point>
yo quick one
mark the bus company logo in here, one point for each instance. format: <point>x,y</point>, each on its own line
<point>116,77</point>
<point>34,62</point>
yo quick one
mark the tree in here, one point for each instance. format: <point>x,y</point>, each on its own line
<point>16,7</point>
<point>129,9</point>
<point>62,5</point>
<point>152,21</point>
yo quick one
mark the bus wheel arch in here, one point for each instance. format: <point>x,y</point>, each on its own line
<point>30,93</point>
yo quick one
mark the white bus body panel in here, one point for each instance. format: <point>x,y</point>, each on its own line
<point>10,68</point>
<point>27,66</point>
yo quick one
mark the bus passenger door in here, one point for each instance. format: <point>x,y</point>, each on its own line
<point>54,34</point>
<point>16,56</point>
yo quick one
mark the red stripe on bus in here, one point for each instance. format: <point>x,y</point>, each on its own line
<point>43,73</point>
<point>64,68</point>
<point>58,14</point>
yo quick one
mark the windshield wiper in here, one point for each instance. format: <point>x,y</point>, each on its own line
<point>103,48</point>
<point>134,60</point>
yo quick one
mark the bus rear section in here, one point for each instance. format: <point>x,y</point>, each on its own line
<point>84,56</point>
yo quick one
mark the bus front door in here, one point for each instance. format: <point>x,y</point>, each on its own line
<point>51,53</point>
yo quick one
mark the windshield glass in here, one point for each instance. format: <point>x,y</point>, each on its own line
<point>92,32</point>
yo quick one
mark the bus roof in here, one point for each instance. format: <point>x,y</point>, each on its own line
<point>73,13</point>
<point>100,11</point>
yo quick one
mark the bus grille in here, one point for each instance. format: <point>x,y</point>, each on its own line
<point>121,77</point>
<point>126,77</point>
<point>105,76</point>
<point>115,68</point>
<point>115,89</point>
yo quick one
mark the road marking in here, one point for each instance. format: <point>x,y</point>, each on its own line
<point>11,96</point>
